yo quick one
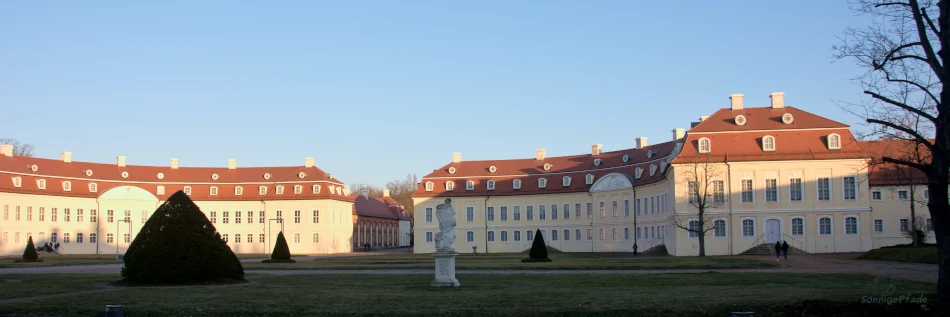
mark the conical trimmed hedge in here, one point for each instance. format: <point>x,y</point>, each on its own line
<point>29,254</point>
<point>281,252</point>
<point>178,245</point>
<point>539,250</point>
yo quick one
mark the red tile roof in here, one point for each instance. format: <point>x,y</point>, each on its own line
<point>200,179</point>
<point>763,118</point>
<point>882,173</point>
<point>376,207</point>
<point>530,170</point>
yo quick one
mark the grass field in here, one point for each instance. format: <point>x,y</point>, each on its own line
<point>562,261</point>
<point>926,254</point>
<point>708,294</point>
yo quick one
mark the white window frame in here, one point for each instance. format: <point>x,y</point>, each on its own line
<point>93,187</point>
<point>765,191</point>
<point>428,214</point>
<point>490,184</point>
<point>700,146</point>
<point>429,186</point>
<point>298,189</point>
<point>187,190</point>
<point>542,182</point>
<point>836,145</point>
<point>765,143</point>
<point>262,190</point>
<point>429,237</point>
<point>238,190</point>
<point>589,179</point>
<point>725,228</point>
<point>791,226</point>
<point>41,183</point>
<point>280,190</point>
<point>901,227</point>
<point>857,225</point>
<point>160,190</point>
<point>315,189</point>
<point>879,194</point>
<point>17,182</point>
<point>831,190</point>
<point>469,236</point>
<point>906,195</point>
<point>214,190</point>
<point>801,188</point>
<point>742,227</point>
<point>470,213</point>
<point>844,195</point>
<point>566,181</point>
<point>831,226</point>
<point>469,185</point>
<point>450,186</point>
<point>874,224</point>
<point>67,186</point>
<point>742,190</point>
<point>516,184</point>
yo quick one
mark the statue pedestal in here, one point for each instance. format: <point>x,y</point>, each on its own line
<point>445,270</point>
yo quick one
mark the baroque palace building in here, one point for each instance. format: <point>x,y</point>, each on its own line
<point>94,208</point>
<point>774,173</point>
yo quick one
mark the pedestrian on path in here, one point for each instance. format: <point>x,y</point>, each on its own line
<point>778,251</point>
<point>785,249</point>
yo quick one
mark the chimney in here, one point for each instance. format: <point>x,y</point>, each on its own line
<point>330,175</point>
<point>308,162</point>
<point>385,193</point>
<point>6,150</point>
<point>778,100</point>
<point>678,133</point>
<point>595,149</point>
<point>641,142</point>
<point>174,164</point>
<point>232,164</point>
<point>736,101</point>
<point>365,193</point>
<point>456,157</point>
<point>67,157</point>
<point>539,154</point>
<point>120,161</point>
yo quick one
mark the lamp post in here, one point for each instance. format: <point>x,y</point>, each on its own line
<point>280,220</point>
<point>129,221</point>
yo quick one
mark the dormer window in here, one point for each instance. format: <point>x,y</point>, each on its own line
<point>626,158</point>
<point>262,190</point>
<point>429,186</point>
<point>589,179</point>
<point>492,169</point>
<point>17,182</point>
<point>469,185</point>
<point>491,185</point>
<point>597,162</point>
<point>238,190</point>
<point>67,186</point>
<point>834,141</point>
<point>280,189</point>
<point>298,189</point>
<point>542,182</point>
<point>740,120</point>
<point>187,190</point>
<point>315,188</point>
<point>566,181</point>
<point>705,146</point>
<point>93,187</point>
<point>652,170</point>
<point>639,172</point>
<point>516,184</point>
<point>450,185</point>
<point>41,183</point>
<point>214,190</point>
<point>768,143</point>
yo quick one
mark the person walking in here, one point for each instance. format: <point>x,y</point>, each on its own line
<point>778,251</point>
<point>785,249</point>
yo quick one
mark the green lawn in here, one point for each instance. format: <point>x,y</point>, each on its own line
<point>925,254</point>
<point>562,261</point>
<point>708,294</point>
<point>26,285</point>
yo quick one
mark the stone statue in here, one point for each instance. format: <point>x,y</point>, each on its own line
<point>446,235</point>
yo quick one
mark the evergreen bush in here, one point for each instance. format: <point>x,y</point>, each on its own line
<point>539,251</point>
<point>29,254</point>
<point>178,245</point>
<point>281,252</point>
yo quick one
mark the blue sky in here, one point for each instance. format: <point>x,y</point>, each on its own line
<point>375,90</point>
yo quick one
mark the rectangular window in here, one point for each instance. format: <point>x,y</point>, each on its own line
<point>491,213</point>
<point>652,205</point>
<point>795,189</point>
<point>17,213</point>
<point>250,218</point>
<point>719,228</point>
<point>613,233</point>
<point>613,208</point>
<point>529,235</point>
<point>748,193</point>
<point>626,208</point>
<point>748,228</point>
<point>504,236</point>
<point>850,225</point>
<point>602,208</point>
<point>110,215</point>
<point>261,217</point>
<point>93,216</point>
<point>636,206</point>
<point>590,234</point>
<point>693,194</point>
<point>237,217</point>
<point>529,212</point>
<point>824,188</point>
<point>503,213</point>
<point>516,213</point>
<point>926,196</point>
<point>296,216</point>
<point>428,214</point>
<point>225,217</point>
<point>261,238</point>
<point>850,189</point>
<point>29,213</point>
<point>66,214</point>
<point>693,228</point>
<point>905,226</point>
<point>470,214</point>
<point>771,190</point>
<point>554,212</point>
<point>798,226</point>
<point>541,212</point>
<point>470,236</point>
<point>54,215</point>
<point>719,192</point>
<point>429,236</point>
<point>603,234</point>
<point>879,225</point>
<point>214,217</point>
<point>577,234</point>
<point>128,216</point>
<point>316,216</point>
<point>824,226</point>
<point>901,195</point>
<point>590,210</point>
<point>929,225</point>
<point>626,233</point>
<point>79,215</point>
<point>876,195</point>
<point>517,235</point>
<point>577,211</point>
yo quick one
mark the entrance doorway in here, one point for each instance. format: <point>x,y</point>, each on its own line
<point>773,230</point>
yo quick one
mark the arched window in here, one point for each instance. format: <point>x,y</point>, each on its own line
<point>429,186</point>
<point>280,189</point>
<point>187,190</point>
<point>542,182</point>
<point>450,185</point>
<point>850,225</point>
<point>298,189</point>
<point>214,190</point>
<point>705,146</point>
<point>566,181</point>
<point>262,190</point>
<point>834,141</point>
<point>491,185</point>
<point>768,143</point>
<point>238,190</point>
<point>516,184</point>
<point>67,186</point>
<point>469,185</point>
<point>589,179</point>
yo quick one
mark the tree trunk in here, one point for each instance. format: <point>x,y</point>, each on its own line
<point>938,178</point>
<point>701,233</point>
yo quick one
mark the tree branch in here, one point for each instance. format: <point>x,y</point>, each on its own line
<point>890,4</point>
<point>913,133</point>
<point>930,22</point>
<point>922,167</point>
<point>925,41</point>
<point>902,105</point>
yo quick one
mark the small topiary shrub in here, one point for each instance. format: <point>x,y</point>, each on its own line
<point>178,245</point>
<point>281,252</point>
<point>29,254</point>
<point>539,251</point>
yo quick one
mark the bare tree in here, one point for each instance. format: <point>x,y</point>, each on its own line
<point>903,177</point>
<point>706,191</point>
<point>402,190</point>
<point>19,148</point>
<point>374,191</point>
<point>904,53</point>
